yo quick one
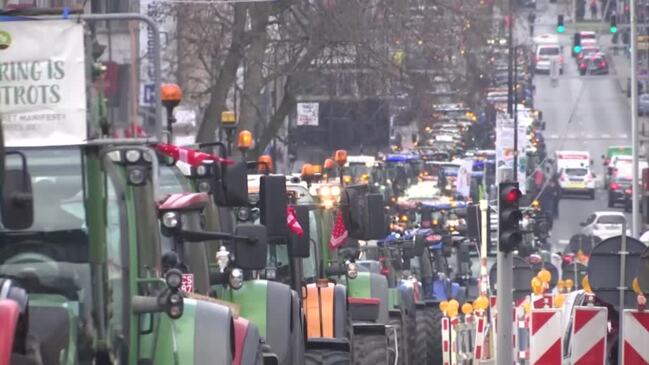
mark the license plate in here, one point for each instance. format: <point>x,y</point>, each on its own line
<point>577,185</point>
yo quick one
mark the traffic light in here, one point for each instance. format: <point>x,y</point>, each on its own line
<point>613,24</point>
<point>576,48</point>
<point>509,217</point>
<point>560,26</point>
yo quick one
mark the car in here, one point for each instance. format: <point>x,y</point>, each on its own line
<point>643,104</point>
<point>545,54</point>
<point>577,180</point>
<point>594,64</point>
<point>586,51</point>
<point>605,224</point>
<point>618,189</point>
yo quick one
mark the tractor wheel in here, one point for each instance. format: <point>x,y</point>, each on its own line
<point>327,357</point>
<point>396,338</point>
<point>370,349</point>
<point>434,321</point>
<point>423,339</point>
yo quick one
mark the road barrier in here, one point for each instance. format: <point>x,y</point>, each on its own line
<point>479,342</point>
<point>446,340</point>
<point>546,337</point>
<point>635,331</point>
<point>589,331</point>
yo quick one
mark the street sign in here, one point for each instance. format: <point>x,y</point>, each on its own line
<point>583,243</point>
<point>574,272</point>
<point>522,276</point>
<point>604,269</point>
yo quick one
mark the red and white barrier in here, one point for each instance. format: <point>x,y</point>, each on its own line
<point>446,340</point>
<point>546,337</point>
<point>588,340</point>
<point>479,348</point>
<point>635,333</point>
<point>542,301</point>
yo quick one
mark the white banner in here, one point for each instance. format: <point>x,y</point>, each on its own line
<point>505,147</point>
<point>42,83</point>
<point>308,113</point>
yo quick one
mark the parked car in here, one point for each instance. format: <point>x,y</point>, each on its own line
<point>605,224</point>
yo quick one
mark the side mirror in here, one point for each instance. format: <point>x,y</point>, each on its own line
<point>300,246</point>
<point>251,254</point>
<point>17,199</point>
<point>273,201</point>
<point>231,185</point>
<point>582,224</point>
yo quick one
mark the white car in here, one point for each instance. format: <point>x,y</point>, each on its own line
<point>545,54</point>
<point>605,224</point>
<point>577,180</point>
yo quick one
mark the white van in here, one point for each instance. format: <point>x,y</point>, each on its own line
<point>545,54</point>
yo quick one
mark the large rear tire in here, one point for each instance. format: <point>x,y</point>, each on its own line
<point>424,337</point>
<point>434,320</point>
<point>327,357</point>
<point>370,349</point>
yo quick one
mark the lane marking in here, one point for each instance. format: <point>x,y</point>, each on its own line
<point>624,136</point>
<point>605,135</point>
<point>564,242</point>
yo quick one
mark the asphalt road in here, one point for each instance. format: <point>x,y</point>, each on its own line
<point>581,114</point>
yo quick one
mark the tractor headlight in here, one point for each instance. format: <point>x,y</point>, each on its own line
<point>352,270</point>
<point>174,279</point>
<point>335,191</point>
<point>201,170</point>
<point>236,278</point>
<point>204,187</point>
<point>243,214</point>
<point>170,219</point>
<point>133,156</point>
<point>136,175</point>
<point>175,306</point>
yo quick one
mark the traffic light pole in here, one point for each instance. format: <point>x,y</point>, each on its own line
<point>635,203</point>
<point>505,260</point>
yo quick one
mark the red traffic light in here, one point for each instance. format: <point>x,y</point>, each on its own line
<point>511,195</point>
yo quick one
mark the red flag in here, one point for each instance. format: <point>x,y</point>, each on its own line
<point>292,222</point>
<point>339,233</point>
<point>188,155</point>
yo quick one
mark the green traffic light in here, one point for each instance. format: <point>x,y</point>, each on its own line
<point>561,29</point>
<point>577,49</point>
<point>613,29</point>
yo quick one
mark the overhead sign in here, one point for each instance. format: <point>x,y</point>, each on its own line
<point>307,114</point>
<point>42,83</point>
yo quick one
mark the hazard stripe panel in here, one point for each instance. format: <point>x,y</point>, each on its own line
<point>545,339</point>
<point>588,340</point>
<point>636,332</point>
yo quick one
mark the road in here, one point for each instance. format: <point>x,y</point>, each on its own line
<point>580,115</point>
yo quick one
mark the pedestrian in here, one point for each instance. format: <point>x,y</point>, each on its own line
<point>531,18</point>
<point>555,197</point>
<point>593,9</point>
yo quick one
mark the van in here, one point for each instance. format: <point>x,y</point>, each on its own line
<point>545,54</point>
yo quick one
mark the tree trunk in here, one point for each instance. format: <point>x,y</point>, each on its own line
<point>227,77</point>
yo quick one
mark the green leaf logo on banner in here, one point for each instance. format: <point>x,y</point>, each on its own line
<point>5,39</point>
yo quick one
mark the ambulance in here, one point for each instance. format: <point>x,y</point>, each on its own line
<point>575,173</point>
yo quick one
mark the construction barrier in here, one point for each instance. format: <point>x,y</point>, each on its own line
<point>446,340</point>
<point>635,331</point>
<point>588,340</point>
<point>546,345</point>
<point>479,342</point>
<point>542,301</point>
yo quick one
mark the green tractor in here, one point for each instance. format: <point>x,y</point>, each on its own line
<point>80,251</point>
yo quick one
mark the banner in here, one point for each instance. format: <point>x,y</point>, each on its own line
<point>42,83</point>
<point>308,113</point>
<point>505,147</point>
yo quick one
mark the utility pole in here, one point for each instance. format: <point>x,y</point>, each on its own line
<point>635,207</point>
<point>505,260</point>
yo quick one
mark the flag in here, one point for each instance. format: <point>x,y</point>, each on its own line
<point>339,233</point>
<point>292,222</point>
<point>189,156</point>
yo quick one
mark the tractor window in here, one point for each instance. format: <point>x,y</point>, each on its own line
<point>309,264</point>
